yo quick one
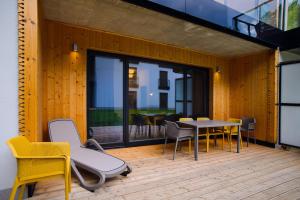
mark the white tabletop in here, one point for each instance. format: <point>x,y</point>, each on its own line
<point>209,123</point>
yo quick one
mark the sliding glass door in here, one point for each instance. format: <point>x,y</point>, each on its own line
<point>129,98</point>
<point>105,99</point>
<point>151,97</point>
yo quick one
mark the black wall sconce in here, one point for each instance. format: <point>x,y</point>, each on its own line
<point>218,69</point>
<point>74,47</point>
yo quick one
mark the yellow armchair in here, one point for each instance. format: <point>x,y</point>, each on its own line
<point>39,160</point>
<point>230,131</point>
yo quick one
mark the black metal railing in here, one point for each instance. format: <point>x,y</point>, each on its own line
<point>163,84</point>
<point>258,23</point>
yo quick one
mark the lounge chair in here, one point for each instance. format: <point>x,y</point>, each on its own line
<point>97,161</point>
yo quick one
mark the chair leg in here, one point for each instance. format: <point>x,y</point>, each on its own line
<point>241,140</point>
<point>215,138</point>
<point>207,142</point>
<point>179,145</point>
<point>247,138</point>
<point>254,137</point>
<point>223,140</point>
<point>174,154</point>
<point>165,146</point>
<point>67,187</point>
<point>190,145</point>
<point>21,192</point>
<point>230,142</point>
<point>135,131</point>
<point>14,190</point>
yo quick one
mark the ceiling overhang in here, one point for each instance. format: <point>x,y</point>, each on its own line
<point>135,21</point>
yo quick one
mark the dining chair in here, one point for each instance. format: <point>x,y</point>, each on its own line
<point>140,122</point>
<point>233,130</point>
<point>173,131</point>
<point>186,119</point>
<point>248,126</point>
<point>211,132</point>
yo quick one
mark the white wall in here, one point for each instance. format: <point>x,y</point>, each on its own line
<point>290,115</point>
<point>8,89</point>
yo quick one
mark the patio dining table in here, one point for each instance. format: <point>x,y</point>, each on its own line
<point>210,124</point>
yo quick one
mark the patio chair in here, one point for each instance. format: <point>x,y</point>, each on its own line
<point>140,122</point>
<point>233,130</point>
<point>212,132</point>
<point>95,161</point>
<point>185,119</point>
<point>173,131</point>
<point>39,160</point>
<point>248,126</point>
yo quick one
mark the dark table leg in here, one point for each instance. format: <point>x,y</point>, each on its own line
<point>196,144</point>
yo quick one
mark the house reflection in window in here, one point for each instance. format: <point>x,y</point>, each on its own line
<point>132,77</point>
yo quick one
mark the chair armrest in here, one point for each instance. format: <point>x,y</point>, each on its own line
<point>186,128</point>
<point>95,144</point>
<point>49,150</point>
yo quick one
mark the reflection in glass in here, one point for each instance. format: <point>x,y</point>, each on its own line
<point>105,112</point>
<point>293,14</point>
<point>155,99</point>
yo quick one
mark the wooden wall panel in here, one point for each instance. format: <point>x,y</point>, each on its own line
<point>253,92</point>
<point>64,71</point>
<point>30,74</point>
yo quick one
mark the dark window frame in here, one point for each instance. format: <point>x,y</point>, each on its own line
<point>280,104</point>
<point>135,106</point>
<point>91,54</point>
<point>163,82</point>
<point>166,104</point>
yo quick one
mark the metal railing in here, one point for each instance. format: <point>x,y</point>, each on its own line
<point>163,84</point>
<point>256,24</point>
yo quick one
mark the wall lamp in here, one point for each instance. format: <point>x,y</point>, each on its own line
<point>74,47</point>
<point>218,69</point>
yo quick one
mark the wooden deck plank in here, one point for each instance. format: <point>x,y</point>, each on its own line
<point>256,173</point>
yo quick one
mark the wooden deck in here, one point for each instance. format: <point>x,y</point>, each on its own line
<point>258,172</point>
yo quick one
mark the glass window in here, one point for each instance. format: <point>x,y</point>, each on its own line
<point>293,14</point>
<point>156,92</point>
<point>155,99</point>
<point>290,81</point>
<point>290,104</point>
<point>133,78</point>
<point>163,100</point>
<point>132,103</point>
<point>164,82</point>
<point>105,112</point>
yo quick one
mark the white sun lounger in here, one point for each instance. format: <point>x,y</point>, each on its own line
<point>96,161</point>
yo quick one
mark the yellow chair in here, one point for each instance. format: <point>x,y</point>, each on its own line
<point>190,140</point>
<point>39,160</point>
<point>210,132</point>
<point>202,118</point>
<point>233,130</point>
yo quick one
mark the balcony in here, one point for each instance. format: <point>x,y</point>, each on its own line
<point>133,82</point>
<point>264,22</point>
<point>163,84</point>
